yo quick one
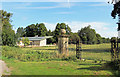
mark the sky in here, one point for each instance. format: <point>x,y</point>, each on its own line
<point>77,14</point>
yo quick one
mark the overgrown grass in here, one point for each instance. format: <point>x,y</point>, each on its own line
<point>45,60</point>
<point>99,52</point>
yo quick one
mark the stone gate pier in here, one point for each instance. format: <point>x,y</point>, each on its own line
<point>63,40</point>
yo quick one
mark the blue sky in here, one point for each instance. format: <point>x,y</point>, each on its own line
<point>75,14</point>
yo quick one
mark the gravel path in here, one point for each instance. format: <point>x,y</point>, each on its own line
<point>4,70</point>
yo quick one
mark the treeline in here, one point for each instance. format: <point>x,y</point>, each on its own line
<point>87,35</point>
<point>40,30</point>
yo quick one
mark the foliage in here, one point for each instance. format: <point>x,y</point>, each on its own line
<point>35,29</point>
<point>25,41</point>
<point>31,30</point>
<point>8,35</point>
<point>116,10</point>
<point>42,30</point>
<point>49,33</point>
<point>105,40</point>
<point>58,28</point>
<point>50,40</point>
<point>73,38</point>
<point>98,38</point>
<point>20,32</point>
<point>87,35</point>
<point>91,52</point>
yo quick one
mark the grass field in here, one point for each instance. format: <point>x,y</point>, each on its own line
<point>95,55</point>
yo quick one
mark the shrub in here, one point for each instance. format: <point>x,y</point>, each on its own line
<point>27,55</point>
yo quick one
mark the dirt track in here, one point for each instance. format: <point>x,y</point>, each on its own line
<point>4,70</point>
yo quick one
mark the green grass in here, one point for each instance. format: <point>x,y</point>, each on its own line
<point>57,68</point>
<point>93,54</point>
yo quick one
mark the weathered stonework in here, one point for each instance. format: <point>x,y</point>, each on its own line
<point>63,43</point>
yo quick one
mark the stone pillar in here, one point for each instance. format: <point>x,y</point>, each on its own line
<point>63,43</point>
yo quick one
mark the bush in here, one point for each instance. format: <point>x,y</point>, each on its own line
<point>27,55</point>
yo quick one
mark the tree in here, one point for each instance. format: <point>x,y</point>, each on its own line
<point>58,28</point>
<point>87,35</point>
<point>106,40</point>
<point>49,33</point>
<point>31,30</point>
<point>20,32</point>
<point>42,30</point>
<point>116,10</point>
<point>8,35</point>
<point>25,41</point>
<point>50,40</point>
<point>73,38</point>
<point>99,39</point>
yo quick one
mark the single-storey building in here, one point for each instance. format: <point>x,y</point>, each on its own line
<point>35,41</point>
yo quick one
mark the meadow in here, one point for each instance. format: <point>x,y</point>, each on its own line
<point>46,61</point>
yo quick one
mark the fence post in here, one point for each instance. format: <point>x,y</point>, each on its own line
<point>78,50</point>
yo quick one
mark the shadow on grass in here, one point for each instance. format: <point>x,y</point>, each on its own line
<point>94,68</point>
<point>101,68</point>
<point>90,64</point>
<point>98,50</point>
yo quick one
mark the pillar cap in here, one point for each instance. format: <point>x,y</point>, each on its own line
<point>63,31</point>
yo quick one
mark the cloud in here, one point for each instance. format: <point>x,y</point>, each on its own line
<point>58,5</point>
<point>101,4</point>
<point>54,0</point>
<point>50,26</point>
<point>102,28</point>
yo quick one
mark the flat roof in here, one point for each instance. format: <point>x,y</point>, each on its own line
<point>36,38</point>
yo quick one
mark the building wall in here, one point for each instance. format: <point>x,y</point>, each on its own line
<point>35,43</point>
<point>43,42</point>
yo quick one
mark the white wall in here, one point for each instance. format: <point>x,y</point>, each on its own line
<point>43,42</point>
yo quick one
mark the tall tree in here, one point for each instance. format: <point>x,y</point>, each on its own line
<point>42,30</point>
<point>58,28</point>
<point>31,30</point>
<point>87,35</point>
<point>8,35</point>
<point>49,33</point>
<point>73,38</point>
<point>98,38</point>
<point>20,32</point>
